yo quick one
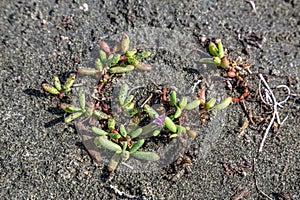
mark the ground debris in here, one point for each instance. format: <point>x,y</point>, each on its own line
<point>243,128</point>
<point>239,168</point>
<point>239,193</point>
<point>249,39</point>
<point>283,196</point>
<point>183,166</point>
<point>120,193</point>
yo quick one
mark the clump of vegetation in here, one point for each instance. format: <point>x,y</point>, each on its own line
<point>57,88</point>
<point>127,141</point>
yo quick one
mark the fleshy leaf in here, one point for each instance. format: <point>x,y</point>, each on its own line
<point>57,83</point>
<point>73,116</point>
<point>213,50</point>
<point>125,43</point>
<point>82,100</point>
<point>49,88</point>
<point>101,140</point>
<point>193,104</point>
<point>136,133</point>
<point>137,145</point>
<point>170,125</point>
<point>150,111</point>
<point>69,83</point>
<point>100,115</point>
<point>99,131</point>
<point>148,156</point>
<point>121,69</point>
<point>123,93</point>
<point>69,108</point>
<point>111,123</point>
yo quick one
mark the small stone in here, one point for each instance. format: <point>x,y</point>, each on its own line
<point>84,7</point>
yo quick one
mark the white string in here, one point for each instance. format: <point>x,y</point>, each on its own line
<point>271,100</point>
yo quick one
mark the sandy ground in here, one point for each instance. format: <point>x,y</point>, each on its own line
<point>43,158</point>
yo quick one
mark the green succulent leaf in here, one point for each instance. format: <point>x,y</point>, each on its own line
<point>217,61</point>
<point>69,83</point>
<point>213,49</point>
<point>110,58</point>
<point>134,111</point>
<point>73,116</point>
<point>143,55</point>
<point>174,135</point>
<point>98,65</point>
<point>116,59</point>
<point>121,69</point>
<point>150,111</point>
<point>211,103</point>
<point>82,100</point>
<point>115,136</point>
<point>177,113</point>
<point>135,133</point>
<point>101,140</point>
<point>130,53</point>
<point>123,93</point>
<point>124,146</point>
<point>89,112</point>
<point>132,61</point>
<point>87,71</point>
<point>224,104</point>
<point>173,98</point>
<point>123,131</point>
<point>129,106</point>
<point>182,103</point>
<point>103,57</point>
<point>192,105</point>
<point>137,145</point>
<point>57,83</point>
<point>148,156</point>
<point>69,108</point>
<point>111,123</point>
<point>49,88</point>
<point>156,132</point>
<point>220,48</point>
<point>128,99</point>
<point>125,43</point>
<point>99,131</point>
<point>180,129</point>
<point>100,114</point>
<point>169,124</point>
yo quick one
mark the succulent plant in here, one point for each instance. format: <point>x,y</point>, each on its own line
<point>57,88</point>
<point>76,112</point>
<point>127,141</point>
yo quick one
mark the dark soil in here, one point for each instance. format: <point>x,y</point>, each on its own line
<point>43,158</point>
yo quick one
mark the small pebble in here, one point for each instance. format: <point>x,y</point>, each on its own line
<point>84,7</point>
